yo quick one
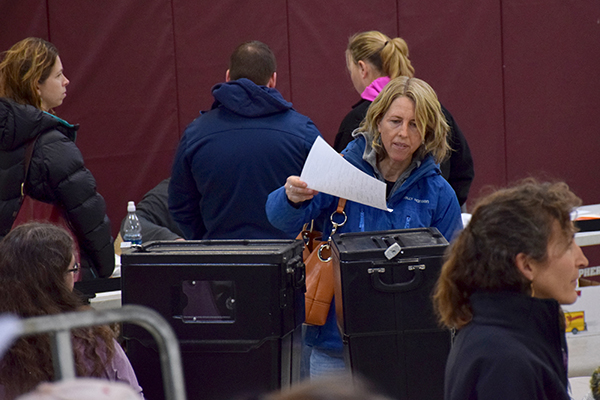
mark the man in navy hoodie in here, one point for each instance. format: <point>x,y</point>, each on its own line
<point>231,157</point>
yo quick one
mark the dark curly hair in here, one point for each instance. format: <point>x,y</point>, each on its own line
<point>34,259</point>
<point>508,222</point>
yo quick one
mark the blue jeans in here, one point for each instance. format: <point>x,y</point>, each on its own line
<point>326,362</point>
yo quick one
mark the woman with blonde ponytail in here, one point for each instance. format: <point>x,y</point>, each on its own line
<point>373,59</point>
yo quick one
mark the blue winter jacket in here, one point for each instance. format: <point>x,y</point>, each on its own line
<point>231,157</point>
<point>425,199</point>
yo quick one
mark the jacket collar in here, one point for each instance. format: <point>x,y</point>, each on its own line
<point>515,310</point>
<point>361,154</point>
<point>20,123</point>
<point>244,97</point>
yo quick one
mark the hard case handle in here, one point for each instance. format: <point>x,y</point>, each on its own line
<point>381,286</point>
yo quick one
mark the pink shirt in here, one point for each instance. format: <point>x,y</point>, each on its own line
<point>374,88</point>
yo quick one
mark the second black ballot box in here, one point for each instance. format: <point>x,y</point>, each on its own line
<point>383,287</point>
<point>236,306</point>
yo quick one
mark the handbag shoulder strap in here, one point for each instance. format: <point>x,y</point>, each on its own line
<point>27,163</point>
<point>341,203</point>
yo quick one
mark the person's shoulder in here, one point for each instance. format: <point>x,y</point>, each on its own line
<point>205,124</point>
<point>361,107</point>
<point>356,148</point>
<point>295,114</point>
<point>57,147</point>
<point>489,342</point>
<point>440,189</point>
<point>439,182</point>
<point>430,169</point>
<point>51,135</point>
<point>356,115</point>
<point>297,124</point>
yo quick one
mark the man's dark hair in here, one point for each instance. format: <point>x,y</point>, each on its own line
<point>252,60</point>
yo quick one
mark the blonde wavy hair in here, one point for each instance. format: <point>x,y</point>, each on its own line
<point>429,118</point>
<point>25,65</point>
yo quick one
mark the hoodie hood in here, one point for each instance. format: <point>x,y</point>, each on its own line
<point>20,123</point>
<point>245,98</point>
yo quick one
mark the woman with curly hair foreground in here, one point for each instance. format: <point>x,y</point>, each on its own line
<point>501,287</point>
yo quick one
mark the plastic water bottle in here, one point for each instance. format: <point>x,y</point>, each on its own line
<point>132,232</point>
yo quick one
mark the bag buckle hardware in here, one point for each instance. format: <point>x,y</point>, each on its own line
<point>334,227</point>
<point>373,270</point>
<point>334,224</point>
<point>413,267</point>
<point>321,247</point>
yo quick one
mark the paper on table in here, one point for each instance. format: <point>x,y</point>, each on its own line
<point>326,171</point>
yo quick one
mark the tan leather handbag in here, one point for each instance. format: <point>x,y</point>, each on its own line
<point>319,270</point>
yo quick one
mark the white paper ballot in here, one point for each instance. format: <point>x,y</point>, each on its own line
<point>328,172</point>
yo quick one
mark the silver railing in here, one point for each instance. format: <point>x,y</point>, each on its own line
<point>59,327</point>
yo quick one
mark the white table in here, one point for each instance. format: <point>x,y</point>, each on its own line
<point>106,300</point>
<point>588,238</point>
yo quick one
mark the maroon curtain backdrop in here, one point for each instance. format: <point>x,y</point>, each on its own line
<point>520,77</point>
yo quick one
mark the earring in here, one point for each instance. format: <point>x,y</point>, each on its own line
<point>532,289</point>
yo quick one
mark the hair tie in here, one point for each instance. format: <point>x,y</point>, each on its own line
<point>382,47</point>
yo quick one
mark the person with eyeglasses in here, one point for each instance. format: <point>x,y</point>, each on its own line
<point>37,268</point>
<point>71,272</point>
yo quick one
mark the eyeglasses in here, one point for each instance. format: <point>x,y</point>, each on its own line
<point>75,268</point>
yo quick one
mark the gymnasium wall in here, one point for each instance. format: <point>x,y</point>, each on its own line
<point>520,77</point>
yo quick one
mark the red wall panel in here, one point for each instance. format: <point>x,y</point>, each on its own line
<point>119,59</point>
<point>319,32</point>
<point>552,91</point>
<point>20,19</point>
<point>207,32</point>
<point>455,46</point>
<point>519,77</point>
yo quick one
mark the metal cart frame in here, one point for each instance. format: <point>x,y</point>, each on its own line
<point>59,327</point>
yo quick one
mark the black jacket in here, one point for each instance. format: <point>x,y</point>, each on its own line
<point>457,169</point>
<point>514,348</point>
<point>57,175</point>
<point>155,218</point>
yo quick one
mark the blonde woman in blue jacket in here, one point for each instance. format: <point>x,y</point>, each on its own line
<point>401,142</point>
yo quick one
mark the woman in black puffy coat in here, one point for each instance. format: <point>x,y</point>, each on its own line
<point>32,84</point>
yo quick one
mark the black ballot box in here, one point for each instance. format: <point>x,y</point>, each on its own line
<point>385,311</point>
<point>236,306</point>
